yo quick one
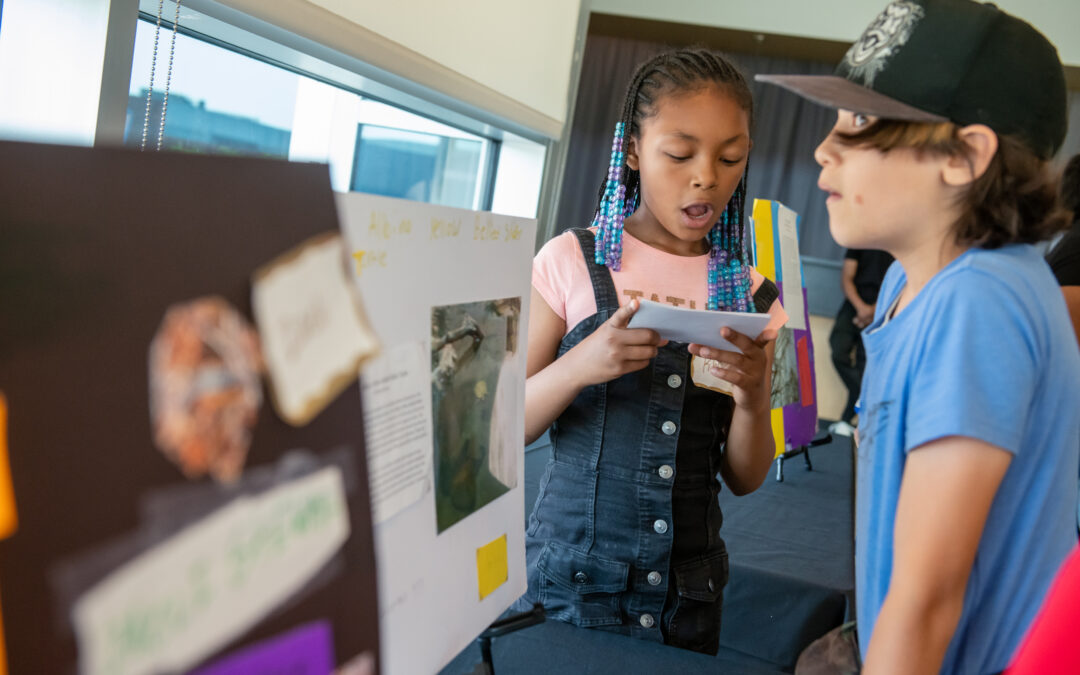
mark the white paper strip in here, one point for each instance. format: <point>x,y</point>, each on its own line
<point>184,599</point>
<point>791,268</point>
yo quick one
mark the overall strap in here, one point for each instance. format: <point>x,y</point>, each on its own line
<point>607,300</point>
<point>764,296</point>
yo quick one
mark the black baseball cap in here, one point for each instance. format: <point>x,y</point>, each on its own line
<point>949,60</point>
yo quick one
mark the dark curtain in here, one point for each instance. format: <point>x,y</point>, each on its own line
<point>786,131</point>
<point>1071,146</point>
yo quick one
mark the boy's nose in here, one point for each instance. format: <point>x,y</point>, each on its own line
<point>825,153</point>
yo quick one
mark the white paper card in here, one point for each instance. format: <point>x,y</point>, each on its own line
<point>184,599</point>
<point>397,428</point>
<point>791,268</point>
<point>312,334</point>
<point>679,324</point>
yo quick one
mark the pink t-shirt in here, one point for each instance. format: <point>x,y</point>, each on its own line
<point>562,279</point>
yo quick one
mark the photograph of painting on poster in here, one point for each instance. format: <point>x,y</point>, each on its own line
<point>474,379</point>
<point>205,390</point>
<point>785,373</point>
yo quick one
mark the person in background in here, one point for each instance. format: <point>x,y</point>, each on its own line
<point>1064,258</point>
<point>861,277</point>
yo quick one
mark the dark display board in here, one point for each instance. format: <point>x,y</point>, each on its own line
<point>95,247</point>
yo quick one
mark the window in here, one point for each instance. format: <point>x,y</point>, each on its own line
<point>223,101</point>
<point>219,101</point>
<point>419,166</point>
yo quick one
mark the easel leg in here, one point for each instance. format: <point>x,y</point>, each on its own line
<point>502,627</point>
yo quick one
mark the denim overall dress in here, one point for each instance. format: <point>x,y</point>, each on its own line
<point>625,532</point>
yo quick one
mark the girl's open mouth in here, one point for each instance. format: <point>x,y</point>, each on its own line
<point>699,213</point>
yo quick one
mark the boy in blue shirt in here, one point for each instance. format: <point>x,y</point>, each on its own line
<point>966,495</point>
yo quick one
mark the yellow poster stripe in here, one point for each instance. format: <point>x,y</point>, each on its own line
<point>763,238</point>
<point>776,419</point>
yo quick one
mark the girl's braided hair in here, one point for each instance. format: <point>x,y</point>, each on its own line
<point>668,73</point>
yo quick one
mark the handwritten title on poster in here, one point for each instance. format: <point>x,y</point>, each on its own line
<point>383,228</point>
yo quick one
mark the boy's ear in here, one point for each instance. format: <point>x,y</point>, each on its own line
<point>631,153</point>
<point>982,143</point>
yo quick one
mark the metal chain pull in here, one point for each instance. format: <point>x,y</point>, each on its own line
<point>153,67</point>
<point>168,75</point>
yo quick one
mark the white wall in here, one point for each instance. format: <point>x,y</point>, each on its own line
<point>518,177</point>
<point>510,58</point>
<point>522,49</point>
<point>842,20</point>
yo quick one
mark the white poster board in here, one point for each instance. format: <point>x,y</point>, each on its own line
<point>453,287</point>
<point>791,267</point>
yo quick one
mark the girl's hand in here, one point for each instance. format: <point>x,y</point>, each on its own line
<point>613,349</point>
<point>749,373</point>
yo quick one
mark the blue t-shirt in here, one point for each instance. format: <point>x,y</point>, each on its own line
<point>985,350</point>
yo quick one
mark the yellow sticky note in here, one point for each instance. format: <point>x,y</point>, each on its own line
<point>491,567</point>
<point>359,256</point>
<point>776,418</point>
<point>763,236</point>
<point>8,520</point>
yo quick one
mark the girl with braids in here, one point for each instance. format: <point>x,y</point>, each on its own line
<point>625,533</point>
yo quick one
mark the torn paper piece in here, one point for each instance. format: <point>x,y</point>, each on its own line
<point>314,335</point>
<point>179,602</point>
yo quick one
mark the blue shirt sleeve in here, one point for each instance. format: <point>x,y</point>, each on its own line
<point>976,373</point>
